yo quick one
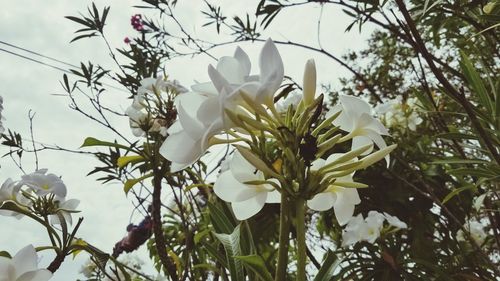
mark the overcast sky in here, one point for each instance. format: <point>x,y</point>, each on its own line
<point>40,26</point>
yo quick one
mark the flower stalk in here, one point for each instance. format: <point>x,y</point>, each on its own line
<point>284,238</point>
<point>301,239</point>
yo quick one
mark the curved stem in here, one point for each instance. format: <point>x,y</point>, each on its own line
<point>301,239</point>
<point>161,248</point>
<point>284,238</point>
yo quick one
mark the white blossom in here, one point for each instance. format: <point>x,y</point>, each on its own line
<point>23,267</point>
<point>42,183</point>
<point>246,199</point>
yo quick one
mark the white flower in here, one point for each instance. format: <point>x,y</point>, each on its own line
<point>340,198</point>
<point>246,199</point>
<point>356,119</point>
<point>66,207</point>
<point>10,191</point>
<point>138,119</point>
<point>373,224</point>
<point>43,184</point>
<point>394,221</point>
<point>23,267</point>
<point>368,229</point>
<point>476,230</point>
<point>202,113</point>
<point>186,142</point>
<point>398,114</point>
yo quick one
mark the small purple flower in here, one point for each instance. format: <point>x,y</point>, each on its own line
<point>126,40</point>
<point>136,22</point>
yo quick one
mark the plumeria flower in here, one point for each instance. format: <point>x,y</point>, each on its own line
<point>342,199</point>
<point>23,267</point>
<point>138,119</point>
<point>356,119</point>
<point>359,229</point>
<point>202,112</point>
<point>368,229</point>
<point>476,230</point>
<point>43,184</point>
<point>66,207</point>
<point>10,191</point>
<point>185,143</point>
<point>399,114</point>
<point>246,199</point>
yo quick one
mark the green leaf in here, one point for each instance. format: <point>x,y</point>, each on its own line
<point>231,243</point>
<point>90,141</point>
<point>256,264</point>
<point>131,182</point>
<point>219,218</point>
<point>460,161</point>
<point>124,160</point>
<point>328,267</point>
<point>476,83</point>
<point>456,192</point>
<point>212,251</point>
<point>5,254</point>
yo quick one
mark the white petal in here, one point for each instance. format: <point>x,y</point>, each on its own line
<point>243,59</point>
<point>206,88</point>
<point>181,149</point>
<point>271,71</point>
<point>242,170</point>
<point>317,164</point>
<point>7,270</point>
<point>245,209</point>
<point>38,275</point>
<point>360,141</point>
<point>379,141</point>
<point>227,188</point>
<point>273,197</point>
<point>344,120</point>
<point>25,260</point>
<point>191,126</point>
<point>343,211</point>
<point>209,111</point>
<point>322,201</point>
<point>354,106</point>
<point>231,69</point>
<point>219,81</point>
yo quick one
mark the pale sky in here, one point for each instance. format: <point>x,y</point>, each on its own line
<point>40,26</point>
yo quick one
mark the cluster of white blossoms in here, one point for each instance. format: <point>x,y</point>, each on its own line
<point>23,266</point>
<point>241,106</point>
<point>476,231</point>
<point>368,229</point>
<point>34,187</point>
<point>399,114</point>
<point>144,113</point>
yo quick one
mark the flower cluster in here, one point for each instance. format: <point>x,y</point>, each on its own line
<point>23,267</point>
<point>476,231</point>
<point>147,114</point>
<point>368,229</point>
<point>136,22</point>
<point>40,193</point>
<point>399,114</point>
<point>279,151</point>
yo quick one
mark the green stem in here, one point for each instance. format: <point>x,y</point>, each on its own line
<point>301,239</point>
<point>284,238</point>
